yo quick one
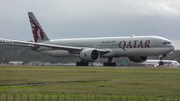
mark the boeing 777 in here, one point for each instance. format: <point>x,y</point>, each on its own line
<point>136,48</point>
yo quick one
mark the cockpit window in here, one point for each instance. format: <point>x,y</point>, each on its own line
<point>166,43</point>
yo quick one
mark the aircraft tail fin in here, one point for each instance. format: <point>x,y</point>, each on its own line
<point>38,33</point>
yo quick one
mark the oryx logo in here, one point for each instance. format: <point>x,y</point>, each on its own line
<point>85,55</point>
<point>37,32</point>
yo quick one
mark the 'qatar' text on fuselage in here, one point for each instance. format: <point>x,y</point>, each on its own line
<point>134,44</point>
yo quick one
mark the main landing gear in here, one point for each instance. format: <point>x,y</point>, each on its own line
<point>82,63</point>
<point>161,62</point>
<point>109,63</point>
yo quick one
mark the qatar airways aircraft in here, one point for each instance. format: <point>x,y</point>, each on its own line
<point>136,48</point>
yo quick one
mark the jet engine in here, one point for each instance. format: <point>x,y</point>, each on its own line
<point>138,59</point>
<point>89,55</point>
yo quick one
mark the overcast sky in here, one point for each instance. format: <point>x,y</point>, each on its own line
<point>91,18</point>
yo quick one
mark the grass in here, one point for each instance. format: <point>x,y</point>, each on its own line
<point>85,80</point>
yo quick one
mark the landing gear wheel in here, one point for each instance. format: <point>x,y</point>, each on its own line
<point>160,63</point>
<point>109,64</point>
<point>77,63</point>
<point>87,63</point>
<point>82,63</point>
<point>114,64</point>
<point>105,64</point>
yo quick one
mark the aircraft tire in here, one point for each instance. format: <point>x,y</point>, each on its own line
<point>82,63</point>
<point>87,63</point>
<point>77,63</point>
<point>114,64</point>
<point>104,64</point>
<point>160,63</point>
<point>109,64</point>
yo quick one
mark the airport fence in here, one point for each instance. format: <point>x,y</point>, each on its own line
<point>35,96</point>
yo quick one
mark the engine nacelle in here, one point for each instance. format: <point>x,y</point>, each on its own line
<point>138,59</point>
<point>89,55</point>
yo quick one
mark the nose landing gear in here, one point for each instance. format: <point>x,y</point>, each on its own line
<point>161,57</point>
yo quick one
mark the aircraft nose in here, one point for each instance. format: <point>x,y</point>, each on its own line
<point>172,47</point>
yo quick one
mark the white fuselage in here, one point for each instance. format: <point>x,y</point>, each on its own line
<point>118,46</point>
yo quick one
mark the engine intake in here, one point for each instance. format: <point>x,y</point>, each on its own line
<point>138,59</point>
<point>89,55</point>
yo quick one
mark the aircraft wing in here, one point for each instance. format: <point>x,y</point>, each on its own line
<point>50,46</point>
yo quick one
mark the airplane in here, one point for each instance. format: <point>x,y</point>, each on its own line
<point>155,63</point>
<point>136,48</point>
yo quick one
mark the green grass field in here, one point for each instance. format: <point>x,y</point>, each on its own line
<point>85,80</point>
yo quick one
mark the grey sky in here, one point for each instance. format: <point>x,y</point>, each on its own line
<point>91,18</point>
